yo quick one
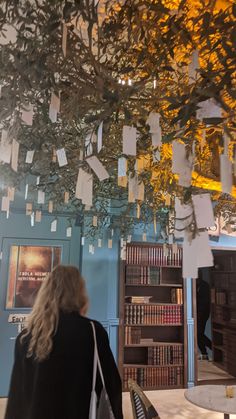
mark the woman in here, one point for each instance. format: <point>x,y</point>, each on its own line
<point>52,373</point>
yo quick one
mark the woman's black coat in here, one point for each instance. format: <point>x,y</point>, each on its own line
<point>60,387</point>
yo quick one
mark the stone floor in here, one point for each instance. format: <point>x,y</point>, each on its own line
<point>208,371</point>
<point>170,404</point>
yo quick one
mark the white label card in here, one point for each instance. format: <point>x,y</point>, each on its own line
<point>27,115</point>
<point>84,187</point>
<point>38,216</point>
<point>41,197</point>
<point>52,114</point>
<point>157,138</point>
<point>129,140</point>
<point>95,221</point>
<point>154,122</point>
<point>5,203</point>
<point>50,206</point>
<point>55,102</point>
<point>122,167</point>
<point>29,208</point>
<point>98,168</point>
<point>26,191</point>
<point>99,242</point>
<point>69,232</point>
<point>5,148</point>
<point>15,154</point>
<point>109,243</point>
<point>226,174</point>
<point>64,38</point>
<point>203,210</point>
<point>11,193</point>
<point>29,156</point>
<point>54,226</point>
<point>99,137</point>
<point>61,157</point>
<point>66,197</point>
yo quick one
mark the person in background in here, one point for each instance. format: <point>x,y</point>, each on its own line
<point>53,368</point>
<point>203,312</point>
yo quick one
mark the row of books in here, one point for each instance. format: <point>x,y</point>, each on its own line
<point>153,314</point>
<point>154,377</point>
<point>142,275</point>
<point>132,335</point>
<point>177,295</point>
<point>154,255</point>
<point>165,355</point>
<point>138,299</point>
<point>218,297</point>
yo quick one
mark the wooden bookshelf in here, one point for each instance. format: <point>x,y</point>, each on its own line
<point>152,338</point>
<point>223,310</point>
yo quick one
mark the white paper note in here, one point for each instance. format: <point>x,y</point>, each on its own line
<point>69,232</point>
<point>41,197</point>
<point>99,242</point>
<point>54,226</point>
<point>98,168</point>
<point>185,176</point>
<point>32,219</point>
<point>29,156</point>
<point>50,206</point>
<point>203,210</point>
<point>84,187</point>
<point>14,155</point>
<point>29,208</point>
<point>95,221</point>
<point>179,157</point>
<point>129,140</point>
<point>11,193</point>
<point>157,138</point>
<point>196,254</point>
<point>26,191</point>
<point>5,203</point>
<point>156,156</point>
<point>193,66</point>
<point>122,167</point>
<point>109,243</point>
<point>99,137</point>
<point>61,157</point>
<point>82,241</point>
<point>154,122</point>
<point>208,109</point>
<point>66,197</point>
<point>183,217</point>
<point>64,38</point>
<point>38,216</point>
<point>55,102</point>
<point>27,115</point>
<point>144,237</point>
<point>5,147</point>
<point>226,174</point>
<point>37,180</point>
<point>52,114</point>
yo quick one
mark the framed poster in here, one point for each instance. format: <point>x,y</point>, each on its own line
<point>28,267</point>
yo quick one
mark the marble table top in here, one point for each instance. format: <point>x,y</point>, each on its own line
<point>212,397</point>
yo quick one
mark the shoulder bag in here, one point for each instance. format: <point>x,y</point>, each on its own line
<point>99,409</point>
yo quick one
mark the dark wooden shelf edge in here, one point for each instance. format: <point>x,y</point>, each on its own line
<point>155,285</point>
<point>154,344</point>
<point>153,266</point>
<point>125,389</point>
<point>154,325</point>
<point>152,366</point>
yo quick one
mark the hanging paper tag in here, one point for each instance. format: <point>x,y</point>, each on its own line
<point>170,239</point>
<point>66,197</point>
<point>122,167</point>
<point>154,122</point>
<point>38,216</point>
<point>157,138</point>
<point>144,237</point>
<point>41,197</point>
<point>50,206</point>
<point>99,242</point>
<point>129,238</point>
<point>55,102</point>
<point>5,147</point>
<point>165,250</point>
<point>32,219</point>
<point>61,157</point>
<point>68,231</point>
<point>26,191</point>
<point>99,137</point>
<point>174,248</point>
<point>54,155</point>
<point>29,156</point>
<point>138,211</point>
<point>129,140</point>
<point>226,174</point>
<point>82,241</point>
<point>109,243</point>
<point>14,155</point>
<point>11,193</point>
<point>29,208</point>
<point>95,221</point>
<point>38,180</point>
<point>27,115</point>
<point>167,200</point>
<point>98,168</point>
<point>155,224</point>
<point>64,38</point>
<point>54,226</point>
<point>84,187</point>
<point>112,232</point>
<point>5,203</point>
<point>81,155</point>
<point>52,114</point>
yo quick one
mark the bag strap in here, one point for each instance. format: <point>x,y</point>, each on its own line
<point>96,360</point>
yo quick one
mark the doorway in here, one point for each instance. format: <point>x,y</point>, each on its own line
<point>215,314</point>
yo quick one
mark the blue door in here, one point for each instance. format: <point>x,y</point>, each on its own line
<point>24,265</point>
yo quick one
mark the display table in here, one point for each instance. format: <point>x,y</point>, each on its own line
<point>212,398</point>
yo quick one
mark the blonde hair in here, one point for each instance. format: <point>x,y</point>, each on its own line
<point>64,289</point>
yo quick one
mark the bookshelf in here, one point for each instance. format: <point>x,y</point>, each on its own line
<point>223,310</point>
<point>152,338</point>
